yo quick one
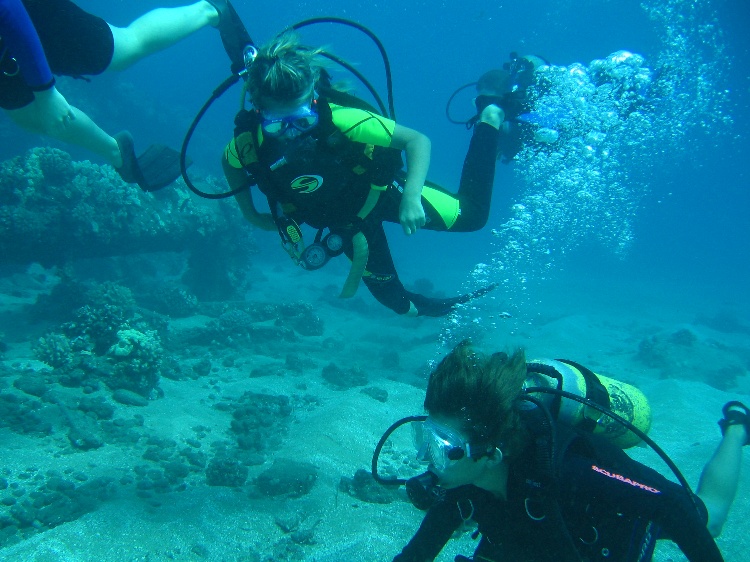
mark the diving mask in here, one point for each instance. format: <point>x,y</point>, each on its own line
<point>302,119</point>
<point>440,445</point>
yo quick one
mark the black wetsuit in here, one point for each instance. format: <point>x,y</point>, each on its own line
<point>75,43</point>
<point>614,509</point>
<point>326,183</point>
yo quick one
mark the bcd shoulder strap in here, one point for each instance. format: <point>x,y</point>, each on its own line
<point>542,501</point>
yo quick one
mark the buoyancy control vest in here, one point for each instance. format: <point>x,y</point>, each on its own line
<point>321,178</point>
<point>571,530</point>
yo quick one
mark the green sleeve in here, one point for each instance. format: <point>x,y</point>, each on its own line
<point>363,126</point>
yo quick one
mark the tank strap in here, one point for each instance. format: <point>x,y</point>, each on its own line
<point>542,501</point>
<point>595,391</point>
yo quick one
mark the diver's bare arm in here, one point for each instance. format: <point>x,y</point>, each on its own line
<point>237,178</point>
<point>417,148</point>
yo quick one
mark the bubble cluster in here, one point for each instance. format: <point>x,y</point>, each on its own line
<point>601,131</point>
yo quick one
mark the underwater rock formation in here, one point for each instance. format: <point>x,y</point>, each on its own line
<point>343,379</point>
<point>287,478</point>
<point>53,210</point>
<point>138,358</point>
<point>32,502</point>
<point>682,354</point>
<point>260,421</point>
<point>226,472</point>
<point>364,487</point>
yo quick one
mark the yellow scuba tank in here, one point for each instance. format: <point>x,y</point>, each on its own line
<point>622,399</point>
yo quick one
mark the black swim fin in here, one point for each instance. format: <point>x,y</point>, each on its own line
<point>436,308</point>
<point>156,168</point>
<point>234,36</point>
<point>160,166</point>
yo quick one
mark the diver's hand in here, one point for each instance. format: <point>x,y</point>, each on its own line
<point>53,111</point>
<point>411,215</point>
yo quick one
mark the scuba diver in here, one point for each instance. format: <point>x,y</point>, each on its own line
<point>507,88</point>
<point>542,490</point>
<point>325,158</point>
<point>41,38</point>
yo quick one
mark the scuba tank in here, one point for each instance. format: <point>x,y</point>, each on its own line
<point>623,399</point>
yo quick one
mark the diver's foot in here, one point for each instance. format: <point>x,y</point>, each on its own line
<point>489,110</point>
<point>130,171</point>
<point>484,100</point>
<point>221,7</point>
<point>156,168</point>
<point>421,305</point>
<point>493,116</point>
<point>736,413</point>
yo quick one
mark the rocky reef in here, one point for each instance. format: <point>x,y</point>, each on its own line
<point>54,210</point>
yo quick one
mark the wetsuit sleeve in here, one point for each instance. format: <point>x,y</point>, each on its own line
<point>435,531</point>
<point>22,41</point>
<point>631,488</point>
<point>234,172</point>
<point>363,126</point>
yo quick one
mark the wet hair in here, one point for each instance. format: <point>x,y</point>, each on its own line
<point>284,71</point>
<point>496,81</point>
<point>481,392</point>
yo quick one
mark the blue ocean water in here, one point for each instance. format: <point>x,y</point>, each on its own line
<point>691,224</point>
<point>659,236</point>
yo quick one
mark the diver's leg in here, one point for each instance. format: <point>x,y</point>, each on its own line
<point>157,30</point>
<point>380,277</point>
<point>720,478</point>
<point>76,43</point>
<point>478,174</point>
<point>383,282</point>
<point>79,130</point>
<point>469,209</point>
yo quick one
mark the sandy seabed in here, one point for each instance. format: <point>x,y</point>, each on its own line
<point>337,432</point>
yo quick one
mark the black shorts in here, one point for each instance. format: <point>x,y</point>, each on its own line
<point>75,42</point>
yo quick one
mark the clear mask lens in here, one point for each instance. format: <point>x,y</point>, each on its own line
<point>302,120</point>
<point>436,444</point>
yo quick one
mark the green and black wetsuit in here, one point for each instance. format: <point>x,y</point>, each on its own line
<point>344,176</point>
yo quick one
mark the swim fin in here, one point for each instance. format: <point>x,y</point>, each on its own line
<point>427,306</point>
<point>234,36</point>
<point>156,168</point>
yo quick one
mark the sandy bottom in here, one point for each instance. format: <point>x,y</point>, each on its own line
<point>337,433</point>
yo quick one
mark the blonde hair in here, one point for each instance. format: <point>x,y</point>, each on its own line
<point>482,393</point>
<point>284,71</point>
